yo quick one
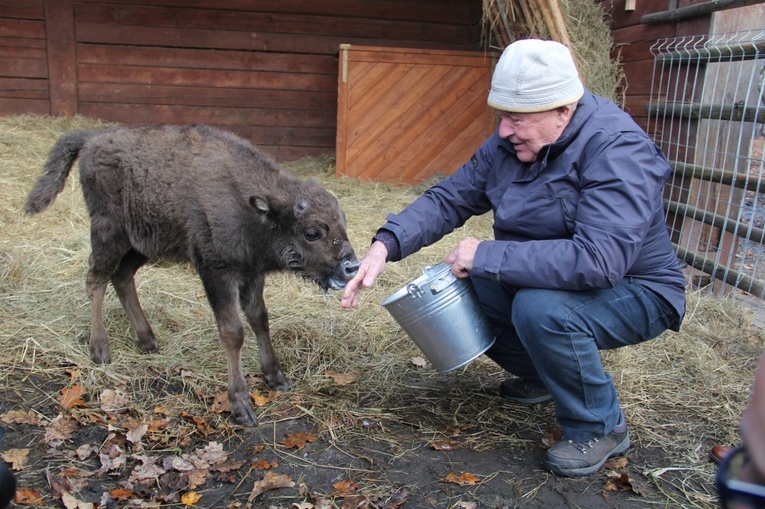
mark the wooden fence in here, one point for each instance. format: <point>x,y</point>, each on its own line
<point>265,70</point>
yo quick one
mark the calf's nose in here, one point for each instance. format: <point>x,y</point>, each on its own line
<point>350,266</point>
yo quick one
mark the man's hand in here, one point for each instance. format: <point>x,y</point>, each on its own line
<point>462,256</point>
<point>372,265</point>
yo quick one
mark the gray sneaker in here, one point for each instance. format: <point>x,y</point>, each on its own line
<point>572,459</point>
<point>526,392</point>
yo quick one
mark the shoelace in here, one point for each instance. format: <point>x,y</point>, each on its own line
<point>583,446</point>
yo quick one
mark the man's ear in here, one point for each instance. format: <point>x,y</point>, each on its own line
<point>565,113</point>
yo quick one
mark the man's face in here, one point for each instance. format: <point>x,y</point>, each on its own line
<point>529,132</point>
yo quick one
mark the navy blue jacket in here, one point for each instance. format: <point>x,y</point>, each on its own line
<point>586,214</point>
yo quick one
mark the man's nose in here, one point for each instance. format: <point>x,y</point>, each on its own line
<point>505,128</point>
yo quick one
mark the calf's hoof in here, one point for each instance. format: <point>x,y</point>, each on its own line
<point>100,353</point>
<point>278,382</point>
<point>243,413</point>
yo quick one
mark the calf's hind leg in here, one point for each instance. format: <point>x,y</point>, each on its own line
<point>124,284</point>
<point>105,257</point>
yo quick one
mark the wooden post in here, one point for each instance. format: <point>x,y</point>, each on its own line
<point>62,62</point>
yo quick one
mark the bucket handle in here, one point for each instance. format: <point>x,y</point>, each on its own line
<point>440,283</point>
<point>414,290</point>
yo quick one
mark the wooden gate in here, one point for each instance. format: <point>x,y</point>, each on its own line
<point>405,115</point>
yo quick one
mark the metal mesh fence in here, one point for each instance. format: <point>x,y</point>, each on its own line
<point>706,111</point>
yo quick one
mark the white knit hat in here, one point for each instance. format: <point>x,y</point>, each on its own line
<point>534,75</point>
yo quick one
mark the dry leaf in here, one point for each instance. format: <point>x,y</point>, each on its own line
<point>190,498</point>
<point>16,457</point>
<point>258,448</point>
<point>420,362</point>
<point>302,505</point>
<point>203,427</point>
<point>615,463</point>
<point>112,457</point>
<point>344,488</point>
<point>552,437</point>
<point>298,440</point>
<point>260,400</point>
<point>271,481</point>
<point>617,482</point>
<point>212,453</point>
<point>71,397</point>
<point>262,464</point>
<point>197,478</point>
<point>147,470</point>
<point>114,401</point>
<point>59,430</point>
<point>220,403</point>
<point>622,482</point>
<point>84,451</point>
<point>121,494</point>
<point>136,432</point>
<point>20,417</point>
<point>341,378</point>
<point>227,466</point>
<point>70,502</point>
<point>28,497</point>
<point>463,479</point>
<point>74,374</point>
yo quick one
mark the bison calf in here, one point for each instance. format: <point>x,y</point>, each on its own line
<point>198,194</point>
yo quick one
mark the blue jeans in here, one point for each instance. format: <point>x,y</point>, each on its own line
<point>555,336</point>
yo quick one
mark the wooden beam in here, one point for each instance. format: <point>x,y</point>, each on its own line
<point>737,228</point>
<point>730,112</point>
<point>693,11</point>
<point>735,278</point>
<point>62,71</point>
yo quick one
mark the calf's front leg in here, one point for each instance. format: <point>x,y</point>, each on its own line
<point>231,330</point>
<point>254,307</point>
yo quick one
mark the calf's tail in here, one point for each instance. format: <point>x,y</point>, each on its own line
<point>57,168</point>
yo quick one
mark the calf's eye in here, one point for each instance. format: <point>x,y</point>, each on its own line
<point>311,235</point>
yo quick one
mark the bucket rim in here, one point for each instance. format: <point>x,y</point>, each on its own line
<point>429,273</point>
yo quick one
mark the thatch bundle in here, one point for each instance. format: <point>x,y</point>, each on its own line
<point>682,392</point>
<point>583,26</point>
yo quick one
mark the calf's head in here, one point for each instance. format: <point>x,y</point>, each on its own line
<point>312,230</point>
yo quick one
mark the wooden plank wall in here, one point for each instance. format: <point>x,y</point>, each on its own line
<point>633,42</point>
<point>265,70</point>
<point>23,58</point>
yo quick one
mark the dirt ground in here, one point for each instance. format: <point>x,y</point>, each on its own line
<point>418,461</point>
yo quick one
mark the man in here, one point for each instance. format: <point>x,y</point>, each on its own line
<point>581,259</point>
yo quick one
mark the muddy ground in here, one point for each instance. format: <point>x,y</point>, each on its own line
<point>288,461</point>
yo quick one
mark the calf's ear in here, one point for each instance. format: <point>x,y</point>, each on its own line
<point>260,203</point>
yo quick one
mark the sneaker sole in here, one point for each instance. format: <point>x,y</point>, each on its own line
<point>529,401</point>
<point>619,450</point>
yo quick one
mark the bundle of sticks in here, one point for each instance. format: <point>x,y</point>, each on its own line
<point>510,20</point>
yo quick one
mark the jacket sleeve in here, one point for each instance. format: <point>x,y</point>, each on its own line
<point>442,208</point>
<point>621,182</point>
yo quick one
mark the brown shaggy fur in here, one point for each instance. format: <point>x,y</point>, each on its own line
<point>198,194</point>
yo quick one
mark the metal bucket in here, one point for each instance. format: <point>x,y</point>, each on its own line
<point>441,313</point>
